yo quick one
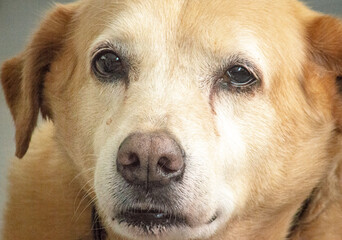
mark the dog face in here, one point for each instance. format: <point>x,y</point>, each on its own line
<point>186,120</point>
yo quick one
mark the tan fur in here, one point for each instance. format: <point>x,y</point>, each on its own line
<point>57,204</point>
<point>255,157</point>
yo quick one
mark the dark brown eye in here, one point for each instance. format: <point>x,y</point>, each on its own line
<point>240,77</point>
<point>107,66</point>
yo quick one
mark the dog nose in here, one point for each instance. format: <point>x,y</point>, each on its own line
<point>150,159</point>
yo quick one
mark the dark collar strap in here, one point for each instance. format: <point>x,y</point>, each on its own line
<point>99,233</point>
<point>300,213</point>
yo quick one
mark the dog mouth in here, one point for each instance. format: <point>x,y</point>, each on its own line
<point>153,220</point>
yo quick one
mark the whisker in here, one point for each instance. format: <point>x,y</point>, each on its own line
<point>92,201</point>
<point>85,196</point>
<point>80,173</point>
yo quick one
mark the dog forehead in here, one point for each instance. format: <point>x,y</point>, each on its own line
<point>186,18</point>
<point>190,15</point>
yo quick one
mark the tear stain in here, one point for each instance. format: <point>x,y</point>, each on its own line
<point>213,111</point>
<point>109,121</point>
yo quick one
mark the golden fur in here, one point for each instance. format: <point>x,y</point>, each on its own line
<point>256,156</point>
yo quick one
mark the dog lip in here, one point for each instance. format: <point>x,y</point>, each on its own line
<point>150,217</point>
<point>213,219</point>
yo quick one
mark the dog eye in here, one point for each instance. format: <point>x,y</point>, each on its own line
<point>107,66</point>
<point>240,77</point>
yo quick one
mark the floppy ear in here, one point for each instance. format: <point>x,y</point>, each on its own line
<point>22,77</point>
<point>323,87</point>
<point>325,38</point>
<point>324,35</point>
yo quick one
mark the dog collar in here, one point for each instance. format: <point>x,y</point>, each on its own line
<point>299,214</point>
<point>99,233</point>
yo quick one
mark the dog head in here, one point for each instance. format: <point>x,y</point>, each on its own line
<point>186,119</point>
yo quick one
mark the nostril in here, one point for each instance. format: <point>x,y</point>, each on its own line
<point>163,164</point>
<point>133,160</point>
<point>169,166</point>
<point>130,159</point>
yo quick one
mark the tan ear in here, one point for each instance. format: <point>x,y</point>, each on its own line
<point>323,88</point>
<point>325,38</point>
<point>324,34</point>
<point>22,77</point>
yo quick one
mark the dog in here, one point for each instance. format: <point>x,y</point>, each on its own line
<point>178,119</point>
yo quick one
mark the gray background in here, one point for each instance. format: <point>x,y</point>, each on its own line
<point>18,18</point>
